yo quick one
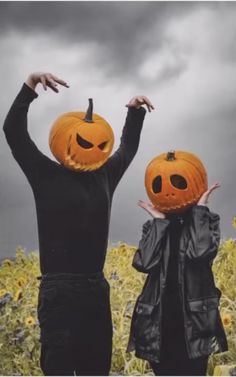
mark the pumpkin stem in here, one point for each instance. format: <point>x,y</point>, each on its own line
<point>170,156</point>
<point>89,115</point>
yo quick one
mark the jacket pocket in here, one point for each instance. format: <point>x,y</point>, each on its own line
<point>144,326</point>
<point>204,316</point>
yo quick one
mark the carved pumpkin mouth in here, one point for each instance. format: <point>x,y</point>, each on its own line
<point>71,158</point>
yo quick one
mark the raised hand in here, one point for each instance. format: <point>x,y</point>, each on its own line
<point>205,196</point>
<point>151,210</point>
<point>138,101</point>
<point>46,79</point>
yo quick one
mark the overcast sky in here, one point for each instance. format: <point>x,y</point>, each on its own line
<point>181,55</point>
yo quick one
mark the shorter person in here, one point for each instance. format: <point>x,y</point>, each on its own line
<point>176,323</point>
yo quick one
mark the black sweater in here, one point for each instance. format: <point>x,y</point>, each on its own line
<point>73,208</point>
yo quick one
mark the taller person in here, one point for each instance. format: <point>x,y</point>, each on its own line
<point>73,213</point>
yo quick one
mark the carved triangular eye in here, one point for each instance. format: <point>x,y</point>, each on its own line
<point>178,181</point>
<point>157,184</point>
<point>83,143</point>
<point>103,145</point>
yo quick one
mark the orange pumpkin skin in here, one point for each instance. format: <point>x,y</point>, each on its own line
<point>175,181</point>
<point>79,144</point>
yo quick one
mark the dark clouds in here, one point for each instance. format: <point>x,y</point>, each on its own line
<point>121,34</point>
<point>180,54</point>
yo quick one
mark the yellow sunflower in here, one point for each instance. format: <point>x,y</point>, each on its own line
<point>3,292</point>
<point>226,319</point>
<point>30,321</point>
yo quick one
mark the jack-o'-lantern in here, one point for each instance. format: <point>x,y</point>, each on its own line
<point>81,141</point>
<point>175,181</point>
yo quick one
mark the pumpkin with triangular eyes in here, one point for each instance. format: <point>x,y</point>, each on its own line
<point>81,141</point>
<point>175,181</point>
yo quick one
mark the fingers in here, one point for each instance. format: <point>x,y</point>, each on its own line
<point>205,196</point>
<point>151,210</point>
<point>60,81</point>
<point>214,186</point>
<point>43,81</point>
<point>146,206</point>
<point>140,100</point>
<point>52,81</point>
<point>145,101</point>
<point>142,204</point>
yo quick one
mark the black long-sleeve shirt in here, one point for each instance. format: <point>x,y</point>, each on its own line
<point>73,208</point>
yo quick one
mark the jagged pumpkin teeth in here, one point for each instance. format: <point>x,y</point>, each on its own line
<point>175,181</point>
<point>77,140</point>
<point>72,162</point>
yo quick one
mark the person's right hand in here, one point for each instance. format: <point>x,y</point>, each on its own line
<point>46,79</point>
<point>153,211</point>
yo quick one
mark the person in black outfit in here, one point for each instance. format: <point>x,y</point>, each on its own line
<point>73,213</point>
<point>176,323</point>
<point>174,358</point>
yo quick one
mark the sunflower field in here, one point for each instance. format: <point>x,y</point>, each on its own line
<point>19,331</point>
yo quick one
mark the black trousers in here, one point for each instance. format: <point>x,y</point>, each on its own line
<point>76,326</point>
<point>175,360</point>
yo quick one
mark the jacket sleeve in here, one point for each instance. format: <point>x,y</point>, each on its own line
<point>16,131</point>
<point>129,142</point>
<point>151,246</point>
<point>204,234</point>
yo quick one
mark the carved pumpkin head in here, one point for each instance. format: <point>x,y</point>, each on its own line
<point>175,181</point>
<point>81,141</point>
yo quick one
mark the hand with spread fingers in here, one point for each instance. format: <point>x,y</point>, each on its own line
<point>138,101</point>
<point>153,211</point>
<point>203,201</point>
<point>46,79</point>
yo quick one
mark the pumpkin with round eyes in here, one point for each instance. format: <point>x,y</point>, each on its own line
<point>81,141</point>
<point>175,181</point>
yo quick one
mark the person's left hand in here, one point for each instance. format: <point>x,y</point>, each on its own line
<point>138,101</point>
<point>205,196</point>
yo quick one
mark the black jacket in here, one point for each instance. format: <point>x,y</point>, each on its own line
<point>199,241</point>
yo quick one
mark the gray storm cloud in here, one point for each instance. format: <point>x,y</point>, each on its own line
<point>124,33</point>
<point>180,54</point>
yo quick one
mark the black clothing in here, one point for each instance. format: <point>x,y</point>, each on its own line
<point>199,298</point>
<point>73,213</point>
<point>172,320</point>
<point>73,208</point>
<point>174,360</point>
<point>75,320</point>
<point>177,363</point>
